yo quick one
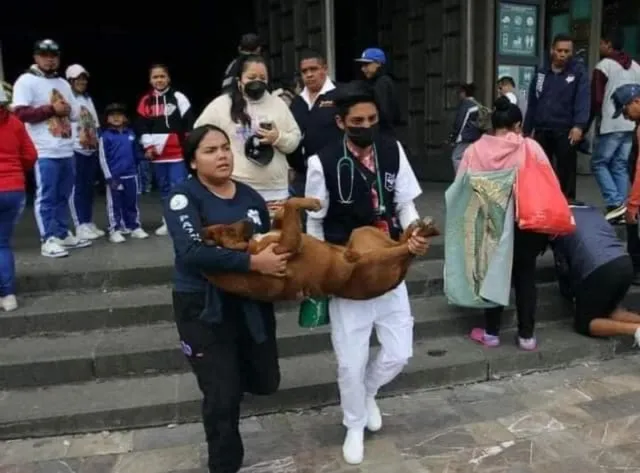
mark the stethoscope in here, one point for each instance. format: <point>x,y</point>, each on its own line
<point>347,161</point>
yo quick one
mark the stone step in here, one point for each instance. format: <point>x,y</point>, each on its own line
<point>307,381</point>
<point>120,306</point>
<point>145,350</point>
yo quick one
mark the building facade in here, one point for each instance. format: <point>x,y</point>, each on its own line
<point>435,45</point>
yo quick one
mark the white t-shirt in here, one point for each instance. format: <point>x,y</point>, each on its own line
<point>616,77</point>
<point>85,129</point>
<point>52,137</point>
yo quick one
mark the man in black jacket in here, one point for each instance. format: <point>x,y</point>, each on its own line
<point>315,113</point>
<point>373,62</point>
<point>249,45</point>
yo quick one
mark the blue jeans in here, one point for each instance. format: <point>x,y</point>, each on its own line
<point>11,207</point>
<point>168,175</point>
<point>609,164</point>
<point>55,178</point>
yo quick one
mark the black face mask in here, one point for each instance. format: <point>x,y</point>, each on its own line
<point>255,89</point>
<point>361,136</point>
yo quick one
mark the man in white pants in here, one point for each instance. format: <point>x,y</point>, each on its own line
<point>364,179</point>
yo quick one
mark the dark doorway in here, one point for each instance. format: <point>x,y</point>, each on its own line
<point>356,27</point>
<point>116,44</point>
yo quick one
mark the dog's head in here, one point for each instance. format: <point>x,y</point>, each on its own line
<point>233,236</point>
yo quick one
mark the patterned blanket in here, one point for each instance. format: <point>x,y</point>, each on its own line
<point>479,239</point>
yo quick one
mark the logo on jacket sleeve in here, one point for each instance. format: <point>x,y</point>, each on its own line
<point>389,181</point>
<point>178,202</point>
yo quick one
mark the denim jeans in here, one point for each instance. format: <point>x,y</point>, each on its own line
<point>11,207</point>
<point>609,164</point>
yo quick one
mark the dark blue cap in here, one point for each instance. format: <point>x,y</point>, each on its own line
<point>372,55</point>
<point>623,96</point>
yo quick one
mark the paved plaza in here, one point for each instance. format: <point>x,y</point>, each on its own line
<point>582,419</point>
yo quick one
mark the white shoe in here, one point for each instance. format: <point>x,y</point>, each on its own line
<point>85,232</point>
<point>96,230</point>
<point>74,242</point>
<point>125,231</point>
<point>162,230</point>
<point>53,248</point>
<point>139,234</point>
<point>374,416</point>
<point>116,237</point>
<point>353,446</point>
<point>9,303</point>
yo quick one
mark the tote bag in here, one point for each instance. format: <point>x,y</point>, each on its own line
<point>541,206</point>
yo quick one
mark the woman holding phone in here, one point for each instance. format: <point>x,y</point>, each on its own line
<point>262,131</point>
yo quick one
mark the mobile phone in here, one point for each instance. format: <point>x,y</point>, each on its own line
<point>266,125</point>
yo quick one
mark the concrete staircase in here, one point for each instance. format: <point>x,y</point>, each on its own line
<point>93,346</point>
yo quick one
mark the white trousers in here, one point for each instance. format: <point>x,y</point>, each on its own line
<point>351,326</point>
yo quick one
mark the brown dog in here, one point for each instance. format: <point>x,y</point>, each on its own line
<point>368,266</point>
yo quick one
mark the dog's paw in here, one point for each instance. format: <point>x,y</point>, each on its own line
<point>315,204</point>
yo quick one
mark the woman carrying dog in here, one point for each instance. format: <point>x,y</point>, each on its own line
<point>229,341</point>
<point>262,131</point>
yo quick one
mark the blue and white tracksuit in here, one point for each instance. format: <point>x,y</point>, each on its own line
<point>85,154</point>
<point>119,155</point>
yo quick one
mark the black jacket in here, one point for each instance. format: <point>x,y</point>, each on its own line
<point>386,96</point>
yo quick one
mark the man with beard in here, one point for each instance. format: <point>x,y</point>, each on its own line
<point>558,110</point>
<point>45,102</point>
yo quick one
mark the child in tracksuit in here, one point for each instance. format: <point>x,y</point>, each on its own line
<point>164,119</point>
<point>119,156</point>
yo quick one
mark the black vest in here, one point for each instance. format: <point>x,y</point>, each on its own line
<point>351,208</point>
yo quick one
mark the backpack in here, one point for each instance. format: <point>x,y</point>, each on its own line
<point>483,120</point>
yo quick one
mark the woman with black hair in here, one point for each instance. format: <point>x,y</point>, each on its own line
<point>506,148</point>
<point>229,341</point>
<point>261,128</point>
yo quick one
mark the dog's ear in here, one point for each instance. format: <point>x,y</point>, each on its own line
<point>248,229</point>
<point>212,235</point>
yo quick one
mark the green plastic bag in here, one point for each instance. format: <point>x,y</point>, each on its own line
<point>314,312</point>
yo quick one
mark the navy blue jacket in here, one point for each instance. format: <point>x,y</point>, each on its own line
<point>464,127</point>
<point>592,245</point>
<point>317,125</point>
<point>119,153</point>
<point>558,101</point>
<point>189,208</point>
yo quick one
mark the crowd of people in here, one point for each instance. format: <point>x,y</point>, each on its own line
<point>251,149</point>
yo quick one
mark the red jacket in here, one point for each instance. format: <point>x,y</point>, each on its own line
<point>633,203</point>
<point>17,153</point>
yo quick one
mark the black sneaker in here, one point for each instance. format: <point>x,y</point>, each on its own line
<point>615,213</point>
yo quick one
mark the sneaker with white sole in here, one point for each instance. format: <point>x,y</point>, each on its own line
<point>71,241</point>
<point>162,230</point>
<point>615,212</point>
<point>139,234</point>
<point>117,237</point>
<point>96,230</point>
<point>125,231</point>
<point>52,248</point>
<point>353,446</point>
<point>374,416</point>
<point>9,303</point>
<point>85,232</point>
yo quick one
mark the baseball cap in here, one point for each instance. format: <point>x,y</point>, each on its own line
<point>623,96</point>
<point>115,107</point>
<point>74,71</point>
<point>46,46</point>
<point>370,55</point>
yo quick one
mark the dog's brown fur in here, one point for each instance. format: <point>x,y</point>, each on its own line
<point>368,266</point>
